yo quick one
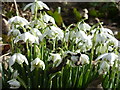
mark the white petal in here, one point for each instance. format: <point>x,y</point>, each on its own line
<point>41,4</point>
<point>12,60</point>
<point>28,5</point>
<point>101,56</point>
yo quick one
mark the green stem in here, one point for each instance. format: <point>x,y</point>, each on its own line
<point>35,10</point>
<point>36,77</point>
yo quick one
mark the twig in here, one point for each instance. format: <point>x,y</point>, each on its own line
<point>4,55</point>
<point>17,12</point>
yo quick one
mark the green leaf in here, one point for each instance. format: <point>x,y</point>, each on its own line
<point>22,82</point>
<point>58,18</point>
<point>77,14</point>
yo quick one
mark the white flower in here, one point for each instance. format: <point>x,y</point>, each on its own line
<point>15,74</point>
<point>18,19</point>
<point>38,24</point>
<point>111,57</point>
<point>84,59</point>
<point>14,84</point>
<point>54,32</point>
<point>104,67</point>
<point>101,38</point>
<point>113,40</point>
<point>19,58</point>
<point>106,30</point>
<point>37,63</point>
<point>56,58</point>
<point>40,5</point>
<point>69,35</point>
<point>75,58</point>
<point>85,10</point>
<point>101,49</point>
<point>48,18</point>
<point>14,32</point>
<point>118,43</point>
<point>27,36</point>
<point>37,33</point>
<point>81,35</point>
<point>84,26</point>
<point>83,41</point>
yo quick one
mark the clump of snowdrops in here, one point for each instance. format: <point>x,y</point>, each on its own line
<point>46,56</point>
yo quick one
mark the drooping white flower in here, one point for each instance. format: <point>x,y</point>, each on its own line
<point>19,58</point>
<point>38,24</point>
<point>37,63</point>
<point>54,32</point>
<point>40,5</point>
<point>101,49</point>
<point>84,26</point>
<point>69,35</point>
<point>14,84</point>
<point>83,41</point>
<point>48,18</point>
<point>75,58</point>
<point>14,32</point>
<point>110,57</point>
<point>18,19</point>
<point>113,40</point>
<point>56,58</point>
<point>84,59</point>
<point>37,33</point>
<point>15,74</point>
<point>69,52</point>
<point>81,35</point>
<point>106,30</point>
<point>27,36</point>
<point>101,38</point>
<point>104,68</point>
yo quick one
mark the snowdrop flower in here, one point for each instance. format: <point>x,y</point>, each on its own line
<point>113,40</point>
<point>75,58</point>
<point>118,43</point>
<point>40,5</point>
<point>111,57</point>
<point>38,24</point>
<point>14,32</point>
<point>85,10</point>
<point>85,15</point>
<point>69,52</point>
<point>18,19</point>
<point>53,32</point>
<point>19,58</point>
<point>81,35</point>
<point>85,46</point>
<point>106,30</point>
<point>70,35</point>
<point>56,58</point>
<point>84,42</point>
<point>101,38</point>
<point>84,26</point>
<point>37,63</point>
<point>101,49</point>
<point>14,84</point>
<point>48,18</point>
<point>104,68</point>
<point>84,59</point>
<point>27,36</point>
<point>37,33</point>
<point>15,74</point>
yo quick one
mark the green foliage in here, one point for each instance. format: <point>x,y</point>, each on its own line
<point>77,14</point>
<point>56,16</point>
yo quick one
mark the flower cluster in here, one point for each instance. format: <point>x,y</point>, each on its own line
<point>41,47</point>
